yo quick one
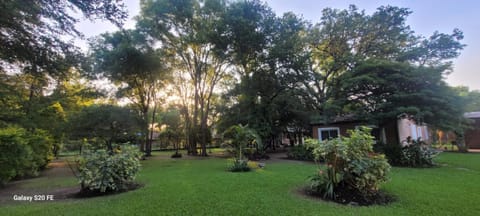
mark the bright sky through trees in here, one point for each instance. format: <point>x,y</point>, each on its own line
<point>428,16</point>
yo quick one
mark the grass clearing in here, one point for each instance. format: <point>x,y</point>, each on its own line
<point>203,187</point>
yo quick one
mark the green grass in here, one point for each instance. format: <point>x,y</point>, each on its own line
<point>203,187</point>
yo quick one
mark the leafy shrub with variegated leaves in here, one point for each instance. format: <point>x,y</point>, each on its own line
<point>351,166</point>
<point>103,171</point>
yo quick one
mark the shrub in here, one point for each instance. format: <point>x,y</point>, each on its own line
<point>22,153</point>
<point>101,171</point>
<point>393,152</point>
<point>239,165</point>
<point>305,151</point>
<point>301,152</point>
<point>417,154</point>
<point>42,145</point>
<point>352,167</point>
<point>15,153</point>
<point>239,139</point>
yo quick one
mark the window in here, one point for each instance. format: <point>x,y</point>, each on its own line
<point>328,133</point>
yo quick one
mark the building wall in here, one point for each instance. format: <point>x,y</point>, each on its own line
<point>344,127</point>
<point>472,136</point>
<point>408,128</point>
<point>389,132</point>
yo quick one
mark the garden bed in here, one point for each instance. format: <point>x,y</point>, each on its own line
<point>350,197</point>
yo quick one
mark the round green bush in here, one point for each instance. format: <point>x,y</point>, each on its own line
<point>103,171</point>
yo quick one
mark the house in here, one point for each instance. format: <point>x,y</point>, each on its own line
<point>394,132</point>
<point>472,135</point>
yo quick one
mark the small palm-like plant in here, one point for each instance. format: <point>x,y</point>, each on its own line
<point>238,138</point>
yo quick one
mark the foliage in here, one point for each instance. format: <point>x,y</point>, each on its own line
<point>32,33</point>
<point>23,153</point>
<point>239,165</point>
<point>471,98</point>
<point>305,151</point>
<point>414,153</point>
<point>188,30</point>
<point>393,153</point>
<point>15,153</point>
<point>238,138</point>
<point>106,124</point>
<point>267,52</point>
<point>128,59</point>
<point>41,143</point>
<point>301,152</point>
<point>379,91</point>
<point>351,166</point>
<point>417,154</point>
<point>173,132</point>
<point>106,172</point>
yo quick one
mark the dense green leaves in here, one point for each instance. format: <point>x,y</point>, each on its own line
<point>23,153</point>
<point>351,165</point>
<point>238,138</point>
<point>129,60</point>
<point>31,32</point>
<point>106,124</point>
<point>103,171</point>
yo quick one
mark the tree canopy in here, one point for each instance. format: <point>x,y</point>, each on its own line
<point>213,64</point>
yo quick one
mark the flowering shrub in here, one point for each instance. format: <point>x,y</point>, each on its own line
<point>351,166</point>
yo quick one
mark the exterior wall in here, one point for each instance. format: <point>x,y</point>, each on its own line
<point>393,133</point>
<point>408,128</point>
<point>390,133</point>
<point>472,136</point>
<point>344,127</point>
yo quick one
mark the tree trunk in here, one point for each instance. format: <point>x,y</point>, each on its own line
<point>461,142</point>
<point>150,140</point>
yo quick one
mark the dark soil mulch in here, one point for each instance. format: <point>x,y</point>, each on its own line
<point>86,193</point>
<point>352,197</point>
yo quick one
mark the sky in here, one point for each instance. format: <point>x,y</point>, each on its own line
<point>428,16</point>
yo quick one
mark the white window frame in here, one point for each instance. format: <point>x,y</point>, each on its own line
<point>327,129</point>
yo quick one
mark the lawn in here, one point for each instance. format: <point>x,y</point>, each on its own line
<point>203,187</point>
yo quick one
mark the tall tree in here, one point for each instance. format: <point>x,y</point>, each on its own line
<point>266,52</point>
<point>364,55</point>
<point>186,29</point>
<point>471,98</point>
<point>128,59</point>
